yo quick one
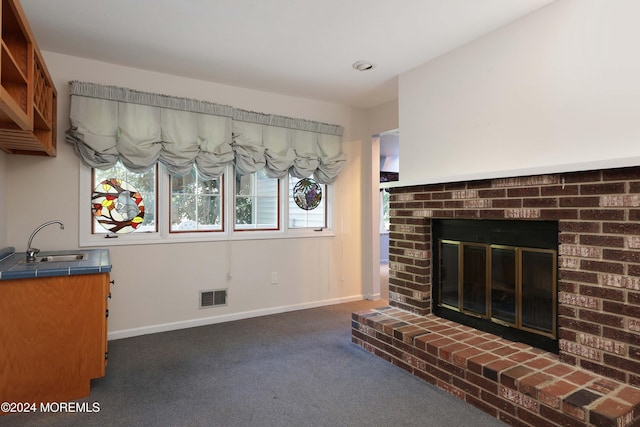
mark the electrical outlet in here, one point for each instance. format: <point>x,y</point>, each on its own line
<point>274,278</point>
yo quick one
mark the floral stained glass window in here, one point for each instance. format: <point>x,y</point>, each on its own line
<point>307,207</point>
<point>123,201</point>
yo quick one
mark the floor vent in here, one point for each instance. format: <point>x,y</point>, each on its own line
<point>213,298</point>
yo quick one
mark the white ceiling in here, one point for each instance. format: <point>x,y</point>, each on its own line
<point>302,48</point>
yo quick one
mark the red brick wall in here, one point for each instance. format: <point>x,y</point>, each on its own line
<point>599,254</point>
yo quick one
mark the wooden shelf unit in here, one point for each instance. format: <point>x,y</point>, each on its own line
<point>28,97</point>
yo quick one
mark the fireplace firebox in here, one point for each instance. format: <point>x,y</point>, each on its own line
<point>498,276</point>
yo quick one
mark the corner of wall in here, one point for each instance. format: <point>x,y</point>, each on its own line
<point>383,117</point>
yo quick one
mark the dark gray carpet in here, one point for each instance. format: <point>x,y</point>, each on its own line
<point>293,369</point>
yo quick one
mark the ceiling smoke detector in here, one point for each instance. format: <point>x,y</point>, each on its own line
<point>363,65</point>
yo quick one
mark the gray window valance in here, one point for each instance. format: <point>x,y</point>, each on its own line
<point>111,123</point>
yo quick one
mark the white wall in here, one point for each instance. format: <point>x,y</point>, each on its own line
<point>157,286</point>
<point>555,91</point>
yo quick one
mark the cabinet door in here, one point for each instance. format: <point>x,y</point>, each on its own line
<point>53,335</point>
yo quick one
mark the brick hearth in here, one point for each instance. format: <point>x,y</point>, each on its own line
<point>598,214</point>
<point>515,383</point>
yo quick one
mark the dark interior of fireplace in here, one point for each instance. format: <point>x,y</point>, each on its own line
<point>499,276</point>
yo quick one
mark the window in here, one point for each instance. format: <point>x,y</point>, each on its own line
<point>196,204</point>
<point>257,199</point>
<point>385,220</point>
<point>145,183</point>
<point>192,209</point>
<point>301,218</point>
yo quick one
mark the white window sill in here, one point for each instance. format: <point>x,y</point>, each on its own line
<point>157,239</point>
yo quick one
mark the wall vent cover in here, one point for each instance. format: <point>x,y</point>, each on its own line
<point>213,298</point>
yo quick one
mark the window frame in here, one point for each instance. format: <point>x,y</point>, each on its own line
<point>223,195</point>
<point>98,230</point>
<point>163,201</point>
<point>279,223</point>
<point>290,202</point>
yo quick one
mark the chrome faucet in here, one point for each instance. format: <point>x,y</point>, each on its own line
<point>31,252</point>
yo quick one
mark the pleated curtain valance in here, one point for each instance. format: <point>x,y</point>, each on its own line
<point>140,129</point>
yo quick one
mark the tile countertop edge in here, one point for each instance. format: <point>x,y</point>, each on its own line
<point>10,267</point>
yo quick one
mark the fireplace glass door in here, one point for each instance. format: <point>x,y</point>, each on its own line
<point>538,294</point>
<point>503,284</point>
<point>474,279</point>
<point>508,285</point>
<point>449,274</point>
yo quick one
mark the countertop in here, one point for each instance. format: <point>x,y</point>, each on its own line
<point>12,265</point>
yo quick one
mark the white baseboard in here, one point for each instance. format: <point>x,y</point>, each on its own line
<point>164,327</point>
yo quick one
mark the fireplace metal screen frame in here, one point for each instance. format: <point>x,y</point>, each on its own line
<point>488,312</point>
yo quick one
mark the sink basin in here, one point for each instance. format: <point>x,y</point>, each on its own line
<point>62,258</point>
<point>58,258</point>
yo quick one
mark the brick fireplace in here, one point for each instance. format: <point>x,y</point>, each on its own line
<point>596,373</point>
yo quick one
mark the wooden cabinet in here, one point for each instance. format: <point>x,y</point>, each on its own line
<point>53,337</point>
<point>28,96</point>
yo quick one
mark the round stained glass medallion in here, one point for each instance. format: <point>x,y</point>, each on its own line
<point>117,206</point>
<point>307,194</point>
